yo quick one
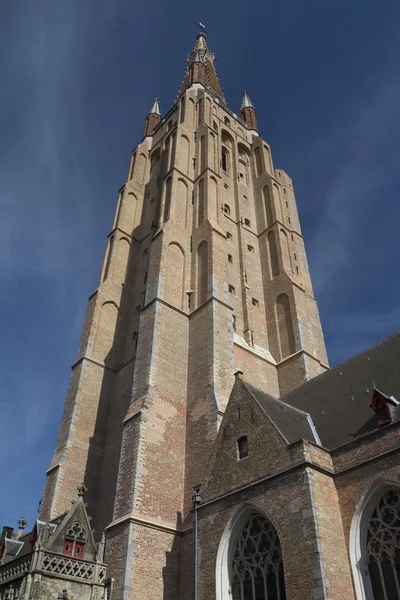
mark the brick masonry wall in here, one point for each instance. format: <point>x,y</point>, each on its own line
<point>289,506</point>
<point>151,350</point>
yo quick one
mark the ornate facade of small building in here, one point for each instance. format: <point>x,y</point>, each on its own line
<point>58,559</point>
<point>205,275</point>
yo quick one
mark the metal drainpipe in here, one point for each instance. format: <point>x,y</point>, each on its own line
<point>111,588</point>
<point>196,499</point>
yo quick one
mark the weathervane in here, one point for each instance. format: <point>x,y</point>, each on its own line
<point>202,26</point>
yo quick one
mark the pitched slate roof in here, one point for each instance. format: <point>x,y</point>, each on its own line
<point>338,400</point>
<point>294,424</point>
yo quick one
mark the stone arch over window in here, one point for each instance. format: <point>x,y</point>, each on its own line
<point>121,260</point>
<point>286,252</point>
<point>268,206</point>
<point>208,110</point>
<point>243,172</point>
<point>202,273</point>
<point>225,160</point>
<point>226,139</point>
<point>141,168</point>
<point>184,154</point>
<point>202,153</point>
<point>259,161</point>
<point>212,149</point>
<point>249,563</point>
<point>273,254</point>
<point>227,209</point>
<point>180,212</point>
<point>201,197</point>
<point>109,258</point>
<point>167,202</point>
<point>213,198</point>
<point>277,202</point>
<point>182,109</point>
<point>200,111</point>
<point>192,113</point>
<point>374,542</point>
<point>285,326</point>
<point>227,152</point>
<point>155,158</point>
<point>133,163</point>
<point>104,342</point>
<point>267,158</point>
<point>127,214</point>
<point>175,275</point>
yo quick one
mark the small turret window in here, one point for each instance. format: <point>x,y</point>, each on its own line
<point>243,447</point>
<point>227,210</point>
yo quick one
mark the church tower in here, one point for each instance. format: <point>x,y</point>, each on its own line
<point>205,274</point>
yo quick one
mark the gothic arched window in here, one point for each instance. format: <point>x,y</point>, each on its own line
<point>382,547</point>
<point>225,159</point>
<point>256,564</point>
<point>75,540</point>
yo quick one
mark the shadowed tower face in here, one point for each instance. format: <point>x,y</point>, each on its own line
<point>204,274</point>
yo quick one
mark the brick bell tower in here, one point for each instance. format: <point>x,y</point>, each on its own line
<point>205,273</point>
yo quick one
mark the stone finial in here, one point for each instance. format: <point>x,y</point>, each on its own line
<point>82,489</point>
<point>22,523</point>
<point>238,374</point>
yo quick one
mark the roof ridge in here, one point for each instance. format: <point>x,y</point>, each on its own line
<point>277,399</point>
<point>348,360</point>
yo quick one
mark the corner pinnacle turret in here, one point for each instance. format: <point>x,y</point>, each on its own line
<point>155,108</point>
<point>201,68</point>
<point>153,118</point>
<point>248,112</point>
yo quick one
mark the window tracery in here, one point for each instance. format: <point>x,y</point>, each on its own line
<point>76,532</point>
<point>383,547</point>
<point>256,568</point>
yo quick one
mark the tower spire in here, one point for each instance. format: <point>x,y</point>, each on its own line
<point>248,112</point>
<point>153,118</point>
<point>201,68</point>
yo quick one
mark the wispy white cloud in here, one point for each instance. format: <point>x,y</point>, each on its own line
<point>351,192</point>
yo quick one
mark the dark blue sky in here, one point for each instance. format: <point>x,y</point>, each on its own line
<point>77,79</point>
